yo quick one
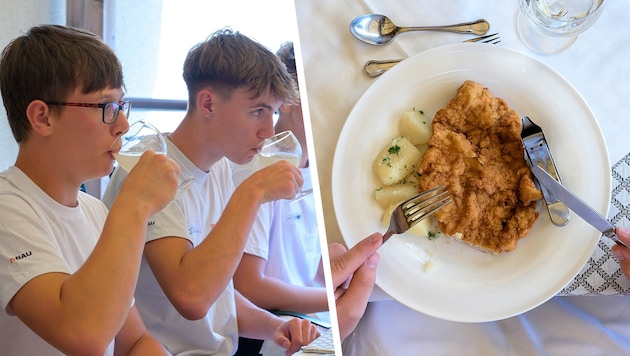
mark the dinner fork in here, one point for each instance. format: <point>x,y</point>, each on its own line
<point>373,68</point>
<point>413,210</point>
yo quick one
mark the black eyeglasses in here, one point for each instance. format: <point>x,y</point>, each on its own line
<point>110,110</point>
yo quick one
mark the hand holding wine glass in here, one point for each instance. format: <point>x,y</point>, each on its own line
<point>139,138</point>
<point>283,146</point>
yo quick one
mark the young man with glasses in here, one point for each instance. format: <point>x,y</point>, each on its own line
<point>69,267</point>
<point>185,292</point>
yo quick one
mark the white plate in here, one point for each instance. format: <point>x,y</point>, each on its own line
<point>467,285</point>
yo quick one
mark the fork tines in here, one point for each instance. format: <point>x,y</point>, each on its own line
<point>425,204</point>
<point>492,39</point>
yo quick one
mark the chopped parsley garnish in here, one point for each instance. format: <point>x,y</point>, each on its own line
<point>420,111</point>
<point>432,235</point>
<point>395,149</point>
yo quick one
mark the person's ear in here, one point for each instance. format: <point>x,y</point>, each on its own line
<point>38,114</point>
<point>205,102</point>
<point>286,108</point>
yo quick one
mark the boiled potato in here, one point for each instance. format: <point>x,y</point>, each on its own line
<point>392,194</point>
<point>416,127</point>
<point>397,160</point>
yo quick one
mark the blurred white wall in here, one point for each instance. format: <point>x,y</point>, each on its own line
<point>16,17</point>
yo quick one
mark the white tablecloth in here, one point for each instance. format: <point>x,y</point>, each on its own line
<point>597,65</point>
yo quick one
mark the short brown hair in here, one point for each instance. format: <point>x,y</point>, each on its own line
<point>48,63</point>
<point>286,53</point>
<point>228,60</point>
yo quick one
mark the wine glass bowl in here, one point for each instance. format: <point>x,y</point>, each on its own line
<point>551,26</point>
<point>282,146</point>
<point>139,138</point>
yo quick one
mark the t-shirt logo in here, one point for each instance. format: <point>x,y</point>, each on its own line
<point>19,257</point>
<point>193,230</point>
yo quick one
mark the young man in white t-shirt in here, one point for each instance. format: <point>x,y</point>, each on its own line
<point>185,291</point>
<point>69,268</point>
<point>281,267</point>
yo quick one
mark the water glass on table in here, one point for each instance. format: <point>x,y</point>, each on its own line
<point>551,26</point>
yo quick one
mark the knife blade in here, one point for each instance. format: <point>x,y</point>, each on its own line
<point>576,204</point>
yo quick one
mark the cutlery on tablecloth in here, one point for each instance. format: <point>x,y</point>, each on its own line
<point>378,30</point>
<point>375,67</point>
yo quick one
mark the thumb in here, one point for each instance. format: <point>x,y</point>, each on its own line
<point>344,265</point>
<point>621,252</point>
<point>623,233</point>
<point>283,341</point>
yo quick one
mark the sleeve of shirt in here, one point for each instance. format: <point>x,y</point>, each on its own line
<point>26,249</point>
<point>258,240</point>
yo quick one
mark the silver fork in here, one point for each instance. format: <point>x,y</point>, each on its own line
<point>373,68</point>
<point>412,211</point>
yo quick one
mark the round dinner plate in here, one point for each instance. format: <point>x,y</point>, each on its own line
<point>465,284</point>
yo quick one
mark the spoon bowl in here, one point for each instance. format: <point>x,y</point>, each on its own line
<point>378,30</point>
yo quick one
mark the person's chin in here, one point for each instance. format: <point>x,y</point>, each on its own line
<point>108,168</point>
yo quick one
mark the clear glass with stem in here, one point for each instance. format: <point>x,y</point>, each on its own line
<point>551,26</point>
<point>282,146</point>
<point>139,138</point>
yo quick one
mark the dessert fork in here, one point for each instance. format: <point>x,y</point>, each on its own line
<point>373,68</point>
<point>412,211</point>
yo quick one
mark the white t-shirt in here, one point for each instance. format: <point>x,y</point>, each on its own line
<point>191,216</point>
<point>38,235</point>
<point>285,233</point>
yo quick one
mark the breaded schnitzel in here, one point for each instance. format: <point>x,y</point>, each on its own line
<point>477,152</point>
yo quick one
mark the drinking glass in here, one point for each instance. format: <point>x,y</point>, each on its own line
<point>283,146</point>
<point>551,26</point>
<point>139,138</point>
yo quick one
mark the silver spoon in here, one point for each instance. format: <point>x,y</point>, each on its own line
<point>379,29</point>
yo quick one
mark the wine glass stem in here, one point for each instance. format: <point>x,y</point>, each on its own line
<point>300,195</point>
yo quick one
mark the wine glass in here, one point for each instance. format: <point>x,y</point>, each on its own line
<point>139,138</point>
<point>551,26</point>
<point>283,146</point>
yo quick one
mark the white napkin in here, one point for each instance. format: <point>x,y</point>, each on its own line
<point>602,273</point>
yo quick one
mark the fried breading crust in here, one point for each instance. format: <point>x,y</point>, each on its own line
<point>477,152</point>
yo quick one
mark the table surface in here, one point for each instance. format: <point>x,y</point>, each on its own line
<point>596,65</point>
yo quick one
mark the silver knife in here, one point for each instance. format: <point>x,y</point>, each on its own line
<point>574,203</point>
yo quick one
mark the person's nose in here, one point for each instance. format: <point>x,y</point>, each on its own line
<point>121,125</point>
<point>267,130</point>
